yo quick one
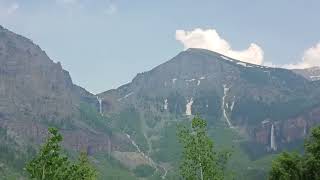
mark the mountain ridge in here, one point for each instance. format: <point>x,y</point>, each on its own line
<point>260,110</point>
<point>37,93</point>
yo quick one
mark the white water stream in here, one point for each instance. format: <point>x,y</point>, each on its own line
<point>150,161</point>
<point>273,139</point>
<point>189,107</point>
<point>225,91</point>
<point>100,104</point>
<point>165,106</point>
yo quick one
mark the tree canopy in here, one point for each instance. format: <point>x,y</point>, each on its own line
<point>292,166</point>
<point>51,164</point>
<point>200,160</point>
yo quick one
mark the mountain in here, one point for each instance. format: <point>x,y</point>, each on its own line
<point>264,110</point>
<point>254,111</point>
<point>36,93</point>
<point>312,74</point>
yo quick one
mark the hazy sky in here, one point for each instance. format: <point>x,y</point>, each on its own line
<point>105,43</point>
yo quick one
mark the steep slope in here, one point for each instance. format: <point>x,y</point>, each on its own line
<point>312,74</point>
<point>36,93</point>
<point>269,108</point>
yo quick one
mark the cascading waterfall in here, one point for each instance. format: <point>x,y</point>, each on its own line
<point>165,106</point>
<point>272,139</point>
<point>151,162</point>
<point>225,90</point>
<point>100,104</point>
<point>189,107</point>
<point>232,105</point>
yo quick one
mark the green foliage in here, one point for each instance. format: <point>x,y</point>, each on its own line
<point>12,156</point>
<point>83,169</point>
<point>129,121</point>
<point>112,169</point>
<point>291,166</point>
<point>311,164</point>
<point>260,110</point>
<point>200,160</point>
<point>177,103</point>
<point>50,164</point>
<point>286,167</point>
<point>208,104</point>
<point>168,145</point>
<point>144,171</point>
<point>93,118</point>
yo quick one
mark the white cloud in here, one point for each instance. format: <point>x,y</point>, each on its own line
<point>310,58</point>
<point>211,40</point>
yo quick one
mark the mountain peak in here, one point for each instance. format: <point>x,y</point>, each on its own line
<point>200,50</point>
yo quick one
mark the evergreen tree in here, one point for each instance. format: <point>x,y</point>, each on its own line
<point>83,170</point>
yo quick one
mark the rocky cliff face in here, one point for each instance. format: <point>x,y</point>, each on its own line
<point>269,106</point>
<point>36,92</point>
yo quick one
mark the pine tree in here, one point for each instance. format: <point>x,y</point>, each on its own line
<point>83,170</point>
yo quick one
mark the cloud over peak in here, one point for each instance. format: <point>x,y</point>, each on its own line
<point>310,58</point>
<point>211,40</point>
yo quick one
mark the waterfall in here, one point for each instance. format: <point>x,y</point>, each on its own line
<point>150,161</point>
<point>189,107</point>
<point>100,104</point>
<point>232,105</point>
<point>225,90</point>
<point>272,139</point>
<point>165,106</point>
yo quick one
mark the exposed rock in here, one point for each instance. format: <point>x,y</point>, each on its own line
<point>258,94</point>
<point>36,93</point>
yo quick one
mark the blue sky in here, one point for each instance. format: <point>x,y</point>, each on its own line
<point>105,43</point>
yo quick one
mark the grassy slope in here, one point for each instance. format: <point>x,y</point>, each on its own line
<point>111,169</point>
<point>239,165</point>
